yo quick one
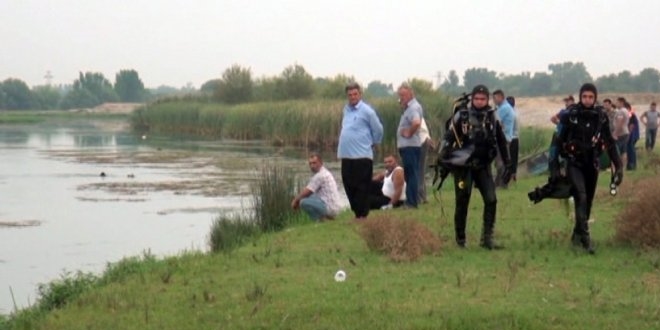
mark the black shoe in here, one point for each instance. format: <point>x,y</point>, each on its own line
<point>488,244</point>
<point>461,243</point>
<point>583,242</point>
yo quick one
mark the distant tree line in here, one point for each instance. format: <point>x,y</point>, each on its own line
<point>89,90</point>
<point>562,78</point>
<point>237,85</point>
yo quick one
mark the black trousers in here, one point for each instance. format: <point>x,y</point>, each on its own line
<point>584,180</point>
<point>513,151</point>
<point>464,179</point>
<point>356,175</point>
<point>376,197</point>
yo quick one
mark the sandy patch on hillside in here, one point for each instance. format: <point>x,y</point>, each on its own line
<point>536,111</point>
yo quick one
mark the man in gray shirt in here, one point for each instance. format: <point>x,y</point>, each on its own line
<point>650,119</point>
<point>408,141</point>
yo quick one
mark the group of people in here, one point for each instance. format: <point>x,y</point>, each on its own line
<point>361,133</point>
<point>476,136</point>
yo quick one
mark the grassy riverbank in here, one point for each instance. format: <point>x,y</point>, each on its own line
<point>36,116</point>
<point>285,279</point>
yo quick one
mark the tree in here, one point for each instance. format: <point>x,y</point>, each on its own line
<point>16,95</point>
<point>539,84</point>
<point>89,90</point>
<point>46,97</point>
<point>607,83</point>
<point>129,87</point>
<point>516,84</point>
<point>235,86</point>
<point>450,85</point>
<point>79,98</point>
<point>476,76</point>
<point>420,86</point>
<point>333,88</point>
<point>567,77</point>
<point>265,89</point>
<point>378,89</point>
<point>210,87</point>
<point>648,80</point>
<point>295,83</point>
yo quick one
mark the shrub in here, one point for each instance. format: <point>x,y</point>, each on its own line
<point>117,272</point>
<point>272,194</point>
<point>58,293</point>
<point>228,233</point>
<point>400,239</point>
<point>639,222</point>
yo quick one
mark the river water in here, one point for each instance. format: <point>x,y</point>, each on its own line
<point>77,194</point>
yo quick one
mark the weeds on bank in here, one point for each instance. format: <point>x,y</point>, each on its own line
<point>272,193</point>
<point>228,233</point>
<point>639,223</point>
<point>399,239</point>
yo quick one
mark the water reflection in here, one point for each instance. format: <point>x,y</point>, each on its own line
<point>159,194</point>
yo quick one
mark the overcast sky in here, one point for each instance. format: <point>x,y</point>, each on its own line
<point>173,42</point>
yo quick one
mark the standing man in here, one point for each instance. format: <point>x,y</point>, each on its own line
<point>514,147</point>
<point>469,147</point>
<point>427,143</point>
<point>320,198</point>
<point>633,127</point>
<point>361,132</point>
<point>507,118</point>
<point>585,133</point>
<point>611,112</point>
<point>568,102</point>
<point>651,120</point>
<point>621,132</point>
<point>408,141</point>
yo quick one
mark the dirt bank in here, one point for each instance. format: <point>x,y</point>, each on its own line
<point>536,111</point>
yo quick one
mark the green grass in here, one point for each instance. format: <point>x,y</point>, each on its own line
<point>285,279</point>
<point>34,116</point>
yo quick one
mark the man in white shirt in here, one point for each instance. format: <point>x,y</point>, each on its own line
<point>388,188</point>
<point>320,198</point>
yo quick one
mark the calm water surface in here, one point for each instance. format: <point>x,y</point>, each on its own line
<point>58,214</point>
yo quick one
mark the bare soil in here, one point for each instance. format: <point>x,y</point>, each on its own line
<point>536,111</point>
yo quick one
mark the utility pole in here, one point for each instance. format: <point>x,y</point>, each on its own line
<point>49,78</point>
<point>438,79</point>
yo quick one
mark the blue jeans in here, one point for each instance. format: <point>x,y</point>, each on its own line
<point>632,155</point>
<point>314,207</point>
<point>650,138</point>
<point>410,157</point>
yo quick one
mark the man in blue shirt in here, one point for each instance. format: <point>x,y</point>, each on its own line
<point>361,131</point>
<point>409,142</point>
<point>507,117</point>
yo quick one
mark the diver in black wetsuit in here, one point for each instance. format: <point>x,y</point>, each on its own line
<point>585,133</point>
<point>469,147</point>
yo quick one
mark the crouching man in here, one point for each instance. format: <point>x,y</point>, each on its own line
<point>320,198</point>
<point>388,188</point>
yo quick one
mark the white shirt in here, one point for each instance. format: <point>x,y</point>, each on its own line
<point>388,185</point>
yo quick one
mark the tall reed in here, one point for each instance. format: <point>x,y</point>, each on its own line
<point>310,123</point>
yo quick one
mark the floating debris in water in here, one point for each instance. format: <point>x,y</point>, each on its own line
<point>21,223</point>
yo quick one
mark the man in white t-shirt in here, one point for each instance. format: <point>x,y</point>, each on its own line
<point>320,198</point>
<point>388,187</point>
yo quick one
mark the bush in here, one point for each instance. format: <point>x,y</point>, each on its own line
<point>229,233</point>
<point>58,293</point>
<point>117,272</point>
<point>272,194</point>
<point>400,239</point>
<point>639,223</point>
